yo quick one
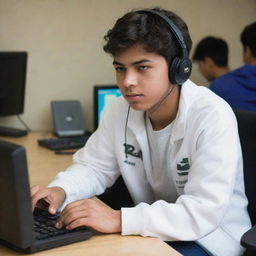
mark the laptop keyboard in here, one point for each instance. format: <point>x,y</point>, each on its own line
<point>44,225</point>
<point>64,142</point>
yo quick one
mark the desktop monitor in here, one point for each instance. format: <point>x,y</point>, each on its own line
<point>13,66</point>
<point>12,82</point>
<point>103,95</point>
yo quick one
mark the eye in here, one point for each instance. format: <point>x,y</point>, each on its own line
<point>143,68</point>
<point>119,69</point>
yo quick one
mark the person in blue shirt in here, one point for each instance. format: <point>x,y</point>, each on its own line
<point>211,55</point>
<point>238,87</point>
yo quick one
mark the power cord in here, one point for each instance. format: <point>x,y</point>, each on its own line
<point>25,125</point>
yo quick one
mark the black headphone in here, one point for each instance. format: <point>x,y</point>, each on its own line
<point>180,67</point>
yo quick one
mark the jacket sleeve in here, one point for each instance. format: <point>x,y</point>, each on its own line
<point>215,161</point>
<point>94,166</point>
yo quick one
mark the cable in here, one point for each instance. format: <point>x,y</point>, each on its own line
<point>27,128</point>
<point>125,131</point>
<point>150,112</point>
<point>158,104</point>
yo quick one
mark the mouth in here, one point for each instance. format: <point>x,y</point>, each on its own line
<point>133,96</point>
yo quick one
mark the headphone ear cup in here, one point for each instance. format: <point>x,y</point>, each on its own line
<point>184,71</point>
<point>180,70</point>
<point>173,70</point>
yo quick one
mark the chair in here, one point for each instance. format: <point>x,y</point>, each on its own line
<point>247,133</point>
<point>117,196</point>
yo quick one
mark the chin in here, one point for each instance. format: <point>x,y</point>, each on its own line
<point>138,107</point>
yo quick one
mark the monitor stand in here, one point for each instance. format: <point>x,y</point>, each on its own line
<point>12,132</point>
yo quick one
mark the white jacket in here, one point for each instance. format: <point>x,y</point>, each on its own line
<point>205,167</point>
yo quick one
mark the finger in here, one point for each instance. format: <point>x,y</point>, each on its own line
<point>78,223</point>
<point>34,189</point>
<point>57,197</point>
<point>72,207</point>
<point>73,217</point>
<point>53,207</point>
<point>72,214</point>
<point>71,211</point>
<point>38,197</point>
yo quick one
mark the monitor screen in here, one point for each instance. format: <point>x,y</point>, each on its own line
<point>103,95</point>
<point>12,82</point>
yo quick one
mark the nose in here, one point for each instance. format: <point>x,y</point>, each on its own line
<point>130,78</point>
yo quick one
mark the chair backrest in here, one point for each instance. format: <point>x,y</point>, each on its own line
<point>117,196</point>
<point>247,132</point>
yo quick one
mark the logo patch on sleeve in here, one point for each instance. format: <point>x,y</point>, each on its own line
<point>183,167</point>
<point>130,150</point>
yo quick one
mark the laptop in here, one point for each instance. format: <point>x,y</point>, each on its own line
<point>19,227</point>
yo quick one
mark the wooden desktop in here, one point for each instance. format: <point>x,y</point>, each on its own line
<point>43,166</point>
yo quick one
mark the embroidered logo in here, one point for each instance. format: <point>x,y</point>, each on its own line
<point>129,162</point>
<point>183,167</point>
<point>130,150</point>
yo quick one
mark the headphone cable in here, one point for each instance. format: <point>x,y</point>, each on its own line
<point>125,131</point>
<point>158,104</point>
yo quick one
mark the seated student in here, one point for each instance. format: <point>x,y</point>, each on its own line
<point>211,54</point>
<point>175,143</point>
<point>238,87</point>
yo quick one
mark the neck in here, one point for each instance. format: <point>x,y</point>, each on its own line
<point>221,71</point>
<point>252,61</point>
<point>167,111</point>
<point>249,58</point>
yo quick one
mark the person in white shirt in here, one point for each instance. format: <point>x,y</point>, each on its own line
<point>175,144</point>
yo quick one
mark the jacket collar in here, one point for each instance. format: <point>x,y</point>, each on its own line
<point>136,121</point>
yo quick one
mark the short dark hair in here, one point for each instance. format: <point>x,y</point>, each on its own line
<point>248,37</point>
<point>149,30</point>
<point>214,48</point>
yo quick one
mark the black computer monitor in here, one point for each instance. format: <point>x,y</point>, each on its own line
<point>13,66</point>
<point>103,95</point>
<point>12,82</point>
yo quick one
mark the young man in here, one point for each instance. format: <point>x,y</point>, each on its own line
<point>211,54</point>
<point>175,144</point>
<point>238,87</point>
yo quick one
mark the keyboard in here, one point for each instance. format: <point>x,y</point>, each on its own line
<point>62,143</point>
<point>44,225</point>
<point>12,132</point>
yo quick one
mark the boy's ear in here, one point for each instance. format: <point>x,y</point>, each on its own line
<point>209,61</point>
<point>247,55</point>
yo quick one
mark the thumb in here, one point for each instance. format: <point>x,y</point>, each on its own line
<point>53,207</point>
<point>57,198</point>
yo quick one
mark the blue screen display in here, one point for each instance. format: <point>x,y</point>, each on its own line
<point>105,96</point>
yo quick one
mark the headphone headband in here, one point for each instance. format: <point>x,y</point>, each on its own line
<point>176,31</point>
<point>180,67</point>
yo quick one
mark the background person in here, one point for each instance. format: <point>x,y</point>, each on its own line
<point>211,55</point>
<point>238,87</point>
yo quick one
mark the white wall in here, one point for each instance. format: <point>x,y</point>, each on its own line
<point>64,39</point>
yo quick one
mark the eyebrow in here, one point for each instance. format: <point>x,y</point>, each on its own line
<point>133,63</point>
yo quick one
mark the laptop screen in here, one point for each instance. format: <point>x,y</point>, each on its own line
<point>15,204</point>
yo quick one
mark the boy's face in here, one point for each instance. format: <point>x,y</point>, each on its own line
<point>205,67</point>
<point>142,77</point>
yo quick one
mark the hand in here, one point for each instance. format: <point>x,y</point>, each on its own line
<point>88,212</point>
<point>49,199</point>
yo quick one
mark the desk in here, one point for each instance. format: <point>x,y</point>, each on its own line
<point>43,166</point>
